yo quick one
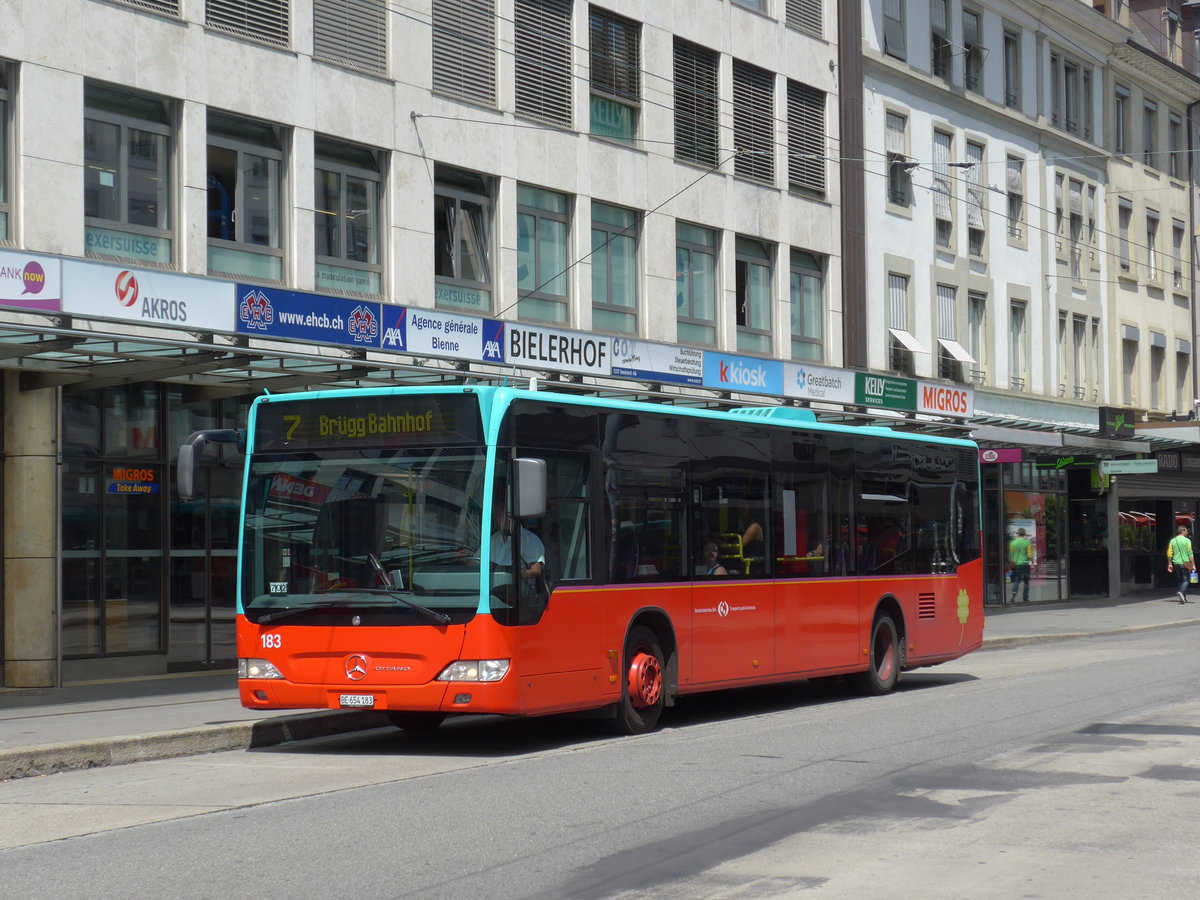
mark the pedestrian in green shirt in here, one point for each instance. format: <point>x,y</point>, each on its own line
<point>1022,558</point>
<point>1181,561</point>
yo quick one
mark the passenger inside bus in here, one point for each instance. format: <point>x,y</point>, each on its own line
<point>711,559</point>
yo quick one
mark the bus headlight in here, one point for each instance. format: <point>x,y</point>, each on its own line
<point>475,670</point>
<point>257,668</point>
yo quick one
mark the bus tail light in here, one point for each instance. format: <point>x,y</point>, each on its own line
<point>475,670</point>
<point>257,668</point>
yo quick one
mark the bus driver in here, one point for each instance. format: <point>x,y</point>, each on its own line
<point>532,550</point>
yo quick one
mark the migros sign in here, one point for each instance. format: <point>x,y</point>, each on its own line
<point>946,401</point>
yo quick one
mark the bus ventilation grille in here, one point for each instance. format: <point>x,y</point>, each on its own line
<point>926,606</point>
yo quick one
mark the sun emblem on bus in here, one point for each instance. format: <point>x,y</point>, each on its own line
<point>356,668</point>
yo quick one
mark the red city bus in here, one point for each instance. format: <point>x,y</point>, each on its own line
<point>431,552</point>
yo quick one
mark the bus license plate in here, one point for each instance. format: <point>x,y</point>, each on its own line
<point>358,701</point>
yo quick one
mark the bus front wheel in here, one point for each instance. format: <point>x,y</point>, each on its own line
<point>643,690</point>
<point>883,669</point>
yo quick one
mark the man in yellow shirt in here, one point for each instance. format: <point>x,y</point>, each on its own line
<point>1181,561</point>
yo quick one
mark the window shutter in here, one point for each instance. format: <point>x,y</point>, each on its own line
<point>351,33</point>
<point>167,7</point>
<point>262,20</point>
<point>898,302</point>
<point>695,103</point>
<point>1015,167</point>
<point>806,138</point>
<point>941,176</point>
<point>945,311</point>
<point>937,12</point>
<point>895,134</point>
<point>615,48</point>
<point>970,28</point>
<point>1076,198</point>
<point>543,60</point>
<point>464,49</point>
<point>975,186</point>
<point>804,15</point>
<point>753,121</point>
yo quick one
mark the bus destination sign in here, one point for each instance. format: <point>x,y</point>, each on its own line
<point>381,420</point>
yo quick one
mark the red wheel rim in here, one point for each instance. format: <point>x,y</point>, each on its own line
<point>645,679</point>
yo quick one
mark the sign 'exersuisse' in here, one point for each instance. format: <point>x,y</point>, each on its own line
<point>382,420</point>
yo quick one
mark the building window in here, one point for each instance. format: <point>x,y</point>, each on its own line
<point>806,139</point>
<point>893,29</point>
<point>976,194</point>
<point>351,34</point>
<point>1177,234</point>
<point>973,51</point>
<point>614,268</point>
<point>943,198</point>
<point>1012,69</point>
<point>1174,145</point>
<point>1129,354</point>
<point>1120,120</point>
<point>757,5</point>
<point>541,254</point>
<point>1124,216</point>
<point>753,276</point>
<point>462,235</point>
<point>753,122</point>
<point>1151,245</point>
<point>126,176</point>
<point>695,70</point>
<point>940,66</point>
<point>1015,182</point>
<point>1075,227</point>
<point>807,295</point>
<point>616,80</point>
<point>1068,99</point>
<point>3,153</point>
<point>1183,380</point>
<point>245,229</point>
<point>953,358</point>
<point>1079,357</point>
<point>1149,132</point>
<point>899,168</point>
<point>542,57</point>
<point>1158,359</point>
<point>1085,100</point>
<point>804,15</point>
<point>260,20</point>
<point>902,344</point>
<point>464,49</point>
<point>1017,356</point>
<point>695,284</point>
<point>977,334</point>
<point>347,203</point>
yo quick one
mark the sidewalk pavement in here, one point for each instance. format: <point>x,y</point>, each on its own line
<point>83,726</point>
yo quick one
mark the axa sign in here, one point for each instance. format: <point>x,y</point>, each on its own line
<point>741,373</point>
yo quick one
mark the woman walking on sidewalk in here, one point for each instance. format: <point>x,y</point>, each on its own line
<point>1181,561</point>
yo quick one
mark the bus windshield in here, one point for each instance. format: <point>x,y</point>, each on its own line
<point>389,534</point>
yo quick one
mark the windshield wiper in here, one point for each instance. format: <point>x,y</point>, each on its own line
<point>288,611</point>
<point>432,615</point>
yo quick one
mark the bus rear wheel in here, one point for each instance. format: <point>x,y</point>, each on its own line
<point>644,687</point>
<point>884,663</point>
<point>416,721</point>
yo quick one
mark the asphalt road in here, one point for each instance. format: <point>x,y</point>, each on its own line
<point>1053,770</point>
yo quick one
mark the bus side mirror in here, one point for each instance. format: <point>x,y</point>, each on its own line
<point>529,489</point>
<point>187,467</point>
